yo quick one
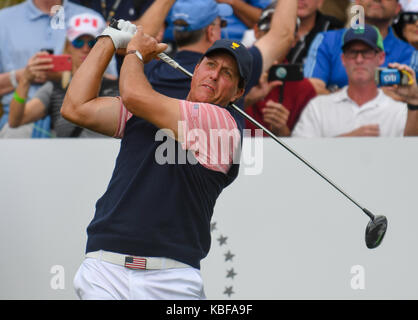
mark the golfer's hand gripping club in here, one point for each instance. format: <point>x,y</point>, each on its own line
<point>121,32</point>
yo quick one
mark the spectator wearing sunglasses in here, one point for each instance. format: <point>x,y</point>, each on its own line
<point>81,34</point>
<point>406,27</point>
<point>360,109</point>
<point>25,30</point>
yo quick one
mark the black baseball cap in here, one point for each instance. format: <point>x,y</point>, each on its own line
<point>242,56</point>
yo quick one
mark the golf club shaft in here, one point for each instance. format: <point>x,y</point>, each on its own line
<point>175,65</point>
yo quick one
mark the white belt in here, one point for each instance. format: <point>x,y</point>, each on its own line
<point>135,262</point>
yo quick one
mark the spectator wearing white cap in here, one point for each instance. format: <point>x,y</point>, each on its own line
<point>26,29</point>
<point>81,34</point>
<point>406,26</point>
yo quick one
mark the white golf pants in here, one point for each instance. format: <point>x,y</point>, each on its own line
<point>100,280</point>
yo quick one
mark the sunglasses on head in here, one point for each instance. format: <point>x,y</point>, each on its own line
<point>409,17</point>
<point>79,43</point>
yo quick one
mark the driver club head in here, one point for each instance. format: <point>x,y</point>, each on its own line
<point>375,231</point>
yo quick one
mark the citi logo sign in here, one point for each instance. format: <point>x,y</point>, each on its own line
<point>389,78</point>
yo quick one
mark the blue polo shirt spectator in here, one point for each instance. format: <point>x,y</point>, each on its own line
<point>324,57</point>
<point>24,31</point>
<point>236,27</point>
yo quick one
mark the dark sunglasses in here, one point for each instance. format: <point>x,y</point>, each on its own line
<point>409,17</point>
<point>79,43</point>
<point>366,54</point>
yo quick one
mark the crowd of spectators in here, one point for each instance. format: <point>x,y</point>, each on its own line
<point>336,95</point>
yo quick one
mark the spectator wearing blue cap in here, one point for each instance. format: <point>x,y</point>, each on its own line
<point>198,25</point>
<point>323,64</point>
<point>361,108</point>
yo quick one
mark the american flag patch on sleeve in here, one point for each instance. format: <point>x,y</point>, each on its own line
<point>195,110</point>
<point>135,263</point>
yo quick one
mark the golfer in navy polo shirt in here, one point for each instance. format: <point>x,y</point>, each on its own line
<point>151,227</point>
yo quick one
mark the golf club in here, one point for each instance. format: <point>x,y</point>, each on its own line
<point>377,226</point>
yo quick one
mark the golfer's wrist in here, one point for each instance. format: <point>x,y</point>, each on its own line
<point>107,41</point>
<point>136,53</point>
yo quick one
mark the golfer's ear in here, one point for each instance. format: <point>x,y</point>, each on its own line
<point>239,94</point>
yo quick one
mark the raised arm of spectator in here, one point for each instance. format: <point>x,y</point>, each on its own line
<point>153,18</point>
<point>22,112</point>
<point>275,44</point>
<point>247,13</point>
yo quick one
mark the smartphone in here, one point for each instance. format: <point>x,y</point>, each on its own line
<point>286,72</point>
<point>61,62</point>
<point>390,77</point>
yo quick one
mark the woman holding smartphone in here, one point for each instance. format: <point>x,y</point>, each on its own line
<point>81,34</point>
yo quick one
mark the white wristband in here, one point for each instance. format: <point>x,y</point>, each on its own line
<point>12,77</point>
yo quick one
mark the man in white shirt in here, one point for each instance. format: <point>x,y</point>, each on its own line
<point>361,108</point>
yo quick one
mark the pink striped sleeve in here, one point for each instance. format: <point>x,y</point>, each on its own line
<point>124,116</point>
<point>211,133</point>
